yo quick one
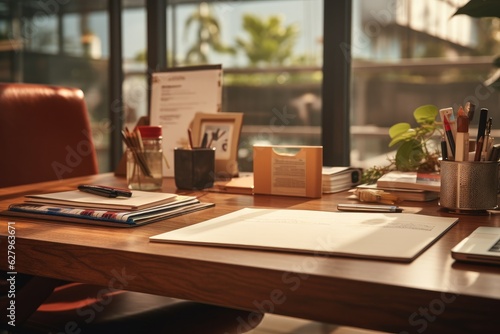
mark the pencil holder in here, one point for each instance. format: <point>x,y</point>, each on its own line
<point>469,186</point>
<point>144,160</point>
<point>194,168</point>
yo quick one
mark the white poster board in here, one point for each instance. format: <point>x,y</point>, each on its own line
<point>176,96</point>
<point>387,236</point>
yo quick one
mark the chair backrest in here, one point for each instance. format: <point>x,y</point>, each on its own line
<point>45,134</point>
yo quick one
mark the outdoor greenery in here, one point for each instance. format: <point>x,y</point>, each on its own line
<point>208,36</point>
<point>268,42</point>
<point>413,153</point>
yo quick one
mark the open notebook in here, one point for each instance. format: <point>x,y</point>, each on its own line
<point>483,245</point>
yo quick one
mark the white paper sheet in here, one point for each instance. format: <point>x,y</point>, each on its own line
<point>394,236</point>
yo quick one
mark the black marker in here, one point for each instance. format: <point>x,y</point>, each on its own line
<point>104,191</point>
<point>481,127</point>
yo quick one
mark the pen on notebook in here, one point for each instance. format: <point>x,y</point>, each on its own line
<point>449,136</point>
<point>104,191</point>
<point>462,142</point>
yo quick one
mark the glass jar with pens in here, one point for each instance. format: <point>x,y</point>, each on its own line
<point>144,157</point>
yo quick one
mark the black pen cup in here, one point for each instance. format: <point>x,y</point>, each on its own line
<point>469,186</point>
<point>194,169</point>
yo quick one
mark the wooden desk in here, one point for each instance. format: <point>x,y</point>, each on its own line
<point>433,293</point>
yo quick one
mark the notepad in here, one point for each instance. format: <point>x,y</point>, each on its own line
<point>139,200</point>
<point>393,236</point>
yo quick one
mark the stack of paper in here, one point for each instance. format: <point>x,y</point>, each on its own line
<point>337,179</point>
<point>80,207</point>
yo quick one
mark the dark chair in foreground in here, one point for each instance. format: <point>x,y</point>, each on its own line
<point>45,135</point>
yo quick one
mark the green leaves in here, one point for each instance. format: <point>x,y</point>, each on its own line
<point>480,8</point>
<point>412,151</point>
<point>409,155</point>
<point>426,114</point>
<point>401,132</point>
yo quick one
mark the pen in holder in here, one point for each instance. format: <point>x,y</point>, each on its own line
<point>469,186</point>
<point>144,157</point>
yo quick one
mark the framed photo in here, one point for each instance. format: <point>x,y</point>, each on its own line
<point>222,131</point>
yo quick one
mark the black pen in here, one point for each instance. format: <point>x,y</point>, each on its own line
<point>104,191</point>
<point>444,149</point>
<point>481,127</point>
<point>204,140</point>
<point>449,135</point>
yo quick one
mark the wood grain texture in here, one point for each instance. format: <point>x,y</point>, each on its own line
<point>432,294</point>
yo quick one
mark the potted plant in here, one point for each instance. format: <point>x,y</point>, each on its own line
<point>416,151</point>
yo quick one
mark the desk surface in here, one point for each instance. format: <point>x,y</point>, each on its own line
<point>432,293</point>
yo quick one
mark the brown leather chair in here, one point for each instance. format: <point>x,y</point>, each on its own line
<point>45,135</point>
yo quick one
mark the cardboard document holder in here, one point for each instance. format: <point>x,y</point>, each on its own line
<point>288,170</point>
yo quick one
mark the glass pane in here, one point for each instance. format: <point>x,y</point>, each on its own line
<point>61,43</point>
<point>135,92</point>
<point>412,53</point>
<point>271,53</point>
<point>40,33</point>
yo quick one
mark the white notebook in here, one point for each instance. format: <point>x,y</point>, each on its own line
<point>391,236</point>
<point>139,200</point>
<point>483,245</point>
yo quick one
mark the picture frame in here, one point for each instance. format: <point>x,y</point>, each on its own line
<point>220,130</point>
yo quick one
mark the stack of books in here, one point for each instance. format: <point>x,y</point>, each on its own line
<point>408,186</point>
<point>337,179</point>
<point>79,207</point>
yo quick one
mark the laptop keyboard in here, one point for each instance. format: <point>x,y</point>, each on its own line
<point>495,247</point>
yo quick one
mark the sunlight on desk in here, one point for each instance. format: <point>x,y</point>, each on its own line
<point>276,324</point>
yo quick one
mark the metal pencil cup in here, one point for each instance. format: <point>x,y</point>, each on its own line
<point>469,186</point>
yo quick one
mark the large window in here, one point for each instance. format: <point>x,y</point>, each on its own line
<point>276,57</point>
<point>411,53</point>
<point>271,52</point>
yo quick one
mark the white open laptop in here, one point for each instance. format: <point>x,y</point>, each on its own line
<point>483,245</point>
